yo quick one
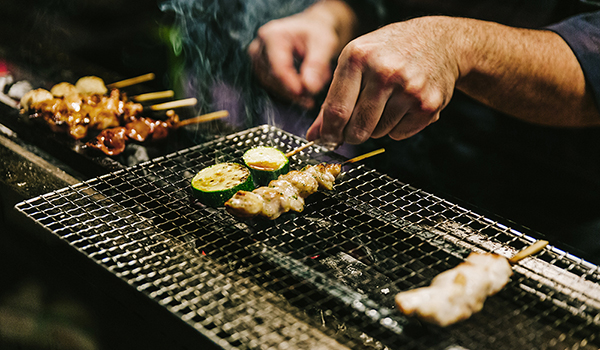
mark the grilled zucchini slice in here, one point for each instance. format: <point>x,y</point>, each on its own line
<point>215,184</point>
<point>266,164</point>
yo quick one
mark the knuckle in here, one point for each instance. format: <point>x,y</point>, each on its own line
<point>335,113</point>
<point>355,54</point>
<point>432,104</point>
<point>357,135</point>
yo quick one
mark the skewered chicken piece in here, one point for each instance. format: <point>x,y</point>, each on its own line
<point>137,129</point>
<point>456,294</point>
<point>74,109</point>
<point>140,129</point>
<point>110,141</point>
<point>284,194</point>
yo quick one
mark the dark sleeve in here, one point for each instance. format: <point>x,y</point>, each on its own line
<point>582,34</point>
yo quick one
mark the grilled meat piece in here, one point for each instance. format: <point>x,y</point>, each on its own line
<point>284,194</point>
<point>110,141</point>
<point>305,183</point>
<point>456,294</point>
<point>137,129</point>
<point>73,113</point>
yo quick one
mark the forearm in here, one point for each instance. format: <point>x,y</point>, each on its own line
<point>530,74</point>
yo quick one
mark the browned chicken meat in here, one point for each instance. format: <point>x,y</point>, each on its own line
<point>137,129</point>
<point>110,141</point>
<point>67,110</point>
<point>284,194</point>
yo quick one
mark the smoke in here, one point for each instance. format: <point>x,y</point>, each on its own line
<point>211,37</point>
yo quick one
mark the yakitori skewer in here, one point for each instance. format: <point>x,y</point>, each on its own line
<point>174,104</point>
<point>131,81</point>
<point>288,191</point>
<point>455,294</point>
<point>111,141</point>
<point>153,96</point>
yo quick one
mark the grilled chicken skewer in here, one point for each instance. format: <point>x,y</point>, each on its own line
<point>284,194</point>
<point>74,109</point>
<point>112,141</point>
<point>289,190</point>
<point>455,294</point>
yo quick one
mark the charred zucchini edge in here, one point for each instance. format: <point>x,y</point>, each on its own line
<point>215,193</point>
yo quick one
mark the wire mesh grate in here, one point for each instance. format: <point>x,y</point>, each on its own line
<point>325,278</point>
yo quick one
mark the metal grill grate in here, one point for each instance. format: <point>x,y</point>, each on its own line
<point>325,278</point>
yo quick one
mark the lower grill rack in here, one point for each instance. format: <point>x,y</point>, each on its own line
<point>322,279</point>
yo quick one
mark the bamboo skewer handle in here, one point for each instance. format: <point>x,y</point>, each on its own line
<point>364,156</point>
<point>299,149</point>
<point>153,96</point>
<point>532,249</point>
<point>204,118</point>
<point>131,81</point>
<point>174,104</point>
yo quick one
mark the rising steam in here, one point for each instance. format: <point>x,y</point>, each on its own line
<point>213,36</point>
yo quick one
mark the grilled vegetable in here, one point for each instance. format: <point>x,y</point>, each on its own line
<point>266,164</point>
<point>215,184</point>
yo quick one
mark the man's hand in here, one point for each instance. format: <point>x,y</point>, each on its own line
<point>393,81</point>
<point>313,38</point>
<point>396,80</point>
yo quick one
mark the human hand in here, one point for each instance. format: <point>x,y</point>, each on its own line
<point>314,37</point>
<point>393,81</point>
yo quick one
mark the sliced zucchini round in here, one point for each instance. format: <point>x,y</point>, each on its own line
<point>215,184</point>
<point>266,164</point>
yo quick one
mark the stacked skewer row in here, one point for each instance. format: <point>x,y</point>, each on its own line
<point>90,106</point>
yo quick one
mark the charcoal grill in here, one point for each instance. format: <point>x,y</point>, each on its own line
<point>322,279</point>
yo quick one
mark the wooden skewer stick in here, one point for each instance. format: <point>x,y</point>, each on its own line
<point>532,249</point>
<point>299,149</point>
<point>153,96</point>
<point>174,104</point>
<point>131,81</point>
<point>364,156</point>
<point>204,118</point>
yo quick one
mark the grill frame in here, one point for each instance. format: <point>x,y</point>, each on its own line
<point>255,284</point>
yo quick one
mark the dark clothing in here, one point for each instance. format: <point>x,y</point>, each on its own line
<point>545,178</point>
<point>582,33</point>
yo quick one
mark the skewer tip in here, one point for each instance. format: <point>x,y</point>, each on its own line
<point>364,156</point>
<point>299,149</point>
<point>536,247</point>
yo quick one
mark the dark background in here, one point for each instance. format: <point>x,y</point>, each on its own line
<point>45,302</point>
<point>543,178</point>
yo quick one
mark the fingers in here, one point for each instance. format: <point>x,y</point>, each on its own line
<point>314,131</point>
<point>411,124</point>
<point>340,102</point>
<point>273,65</point>
<point>369,113</point>
<point>277,47</point>
<point>376,114</point>
<point>315,70</point>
